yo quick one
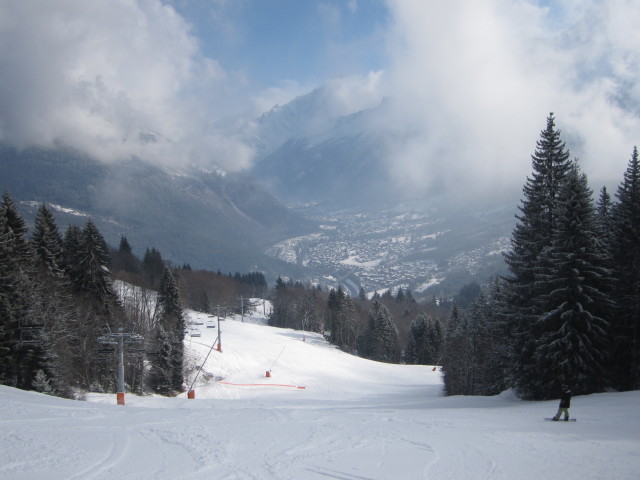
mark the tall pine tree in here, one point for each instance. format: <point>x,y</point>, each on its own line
<point>571,332</point>
<point>531,236</point>
<point>167,369</point>
<point>625,257</point>
<point>382,336</point>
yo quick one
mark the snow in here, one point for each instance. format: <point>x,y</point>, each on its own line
<point>58,208</point>
<point>322,414</point>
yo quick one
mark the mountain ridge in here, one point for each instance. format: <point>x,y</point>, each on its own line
<point>227,220</point>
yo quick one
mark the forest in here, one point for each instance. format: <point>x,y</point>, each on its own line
<point>60,295</point>
<point>567,312</point>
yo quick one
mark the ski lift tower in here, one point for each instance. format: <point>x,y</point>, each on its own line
<point>120,338</point>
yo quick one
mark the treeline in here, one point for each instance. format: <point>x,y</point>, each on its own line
<point>58,299</point>
<point>200,290</point>
<point>569,311</point>
<point>387,328</point>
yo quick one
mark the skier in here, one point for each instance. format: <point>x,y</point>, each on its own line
<point>565,403</point>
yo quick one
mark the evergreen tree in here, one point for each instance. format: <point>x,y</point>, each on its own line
<point>603,216</point>
<point>416,340</point>
<point>531,236</point>
<point>72,252</point>
<point>161,374</point>
<point>409,296</point>
<point>124,259</point>
<point>9,289</point>
<point>468,353</point>
<point>17,294</point>
<point>340,319</point>
<point>500,331</point>
<point>571,333</point>
<point>362,295</point>
<point>153,265</point>
<point>424,341</point>
<point>625,258</point>
<point>170,335</point>
<point>51,305</point>
<point>454,358</point>
<point>382,335</point>
<point>96,305</point>
<point>47,244</point>
<point>93,274</point>
<point>17,225</point>
<point>478,341</point>
<point>124,245</point>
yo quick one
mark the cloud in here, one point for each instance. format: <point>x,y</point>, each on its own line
<point>472,83</point>
<point>115,79</point>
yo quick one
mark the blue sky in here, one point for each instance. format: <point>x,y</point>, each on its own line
<point>274,42</point>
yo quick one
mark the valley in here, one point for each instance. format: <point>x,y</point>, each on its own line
<point>398,247</point>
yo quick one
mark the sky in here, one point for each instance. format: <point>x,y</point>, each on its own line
<point>470,83</point>
<point>321,414</point>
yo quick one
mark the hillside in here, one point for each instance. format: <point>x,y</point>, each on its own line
<point>322,414</point>
<point>211,220</point>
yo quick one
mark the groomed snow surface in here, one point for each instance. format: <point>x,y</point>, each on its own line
<point>322,414</point>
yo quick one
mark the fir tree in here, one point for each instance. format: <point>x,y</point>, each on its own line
<point>382,335</point>
<point>340,319</point>
<point>454,358</point>
<point>47,244</point>
<point>72,253</point>
<point>603,216</point>
<point>171,333</point>
<point>531,236</point>
<point>161,374</point>
<point>424,341</point>
<point>416,340</point>
<point>362,295</point>
<point>9,289</point>
<point>571,333</point>
<point>17,225</point>
<point>499,363</point>
<point>93,274</point>
<point>625,258</point>
<point>153,265</point>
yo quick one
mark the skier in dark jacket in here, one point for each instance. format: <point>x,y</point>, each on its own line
<point>565,403</point>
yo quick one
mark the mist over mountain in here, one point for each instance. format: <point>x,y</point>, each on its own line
<point>212,220</point>
<point>377,229</point>
<point>349,220</point>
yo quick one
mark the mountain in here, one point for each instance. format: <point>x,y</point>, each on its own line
<point>308,152</point>
<point>207,219</point>
<point>333,167</point>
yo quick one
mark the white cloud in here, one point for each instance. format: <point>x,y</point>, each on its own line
<point>472,84</point>
<point>101,75</point>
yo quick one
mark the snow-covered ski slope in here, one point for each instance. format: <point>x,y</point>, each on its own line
<point>322,414</point>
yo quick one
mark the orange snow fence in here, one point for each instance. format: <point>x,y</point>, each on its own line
<point>261,385</point>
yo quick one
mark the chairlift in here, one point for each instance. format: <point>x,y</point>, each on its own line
<point>31,334</point>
